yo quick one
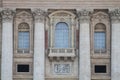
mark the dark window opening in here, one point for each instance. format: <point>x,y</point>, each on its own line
<point>100,68</point>
<point>22,68</point>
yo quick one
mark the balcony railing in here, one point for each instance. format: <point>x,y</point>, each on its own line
<point>62,53</point>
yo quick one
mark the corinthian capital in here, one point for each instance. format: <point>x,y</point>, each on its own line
<point>7,15</point>
<point>115,15</point>
<point>39,15</point>
<point>84,15</point>
<point>115,12</point>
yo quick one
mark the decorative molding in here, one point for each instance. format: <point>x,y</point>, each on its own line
<point>24,16</point>
<point>39,15</point>
<point>100,16</point>
<point>84,15</point>
<point>7,15</point>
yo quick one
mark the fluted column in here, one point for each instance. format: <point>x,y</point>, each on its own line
<point>7,44</point>
<point>84,46</point>
<point>115,44</point>
<point>39,45</point>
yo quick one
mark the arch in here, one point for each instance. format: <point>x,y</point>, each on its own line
<point>23,26</point>
<point>61,35</point>
<point>100,37</point>
<point>23,36</point>
<point>100,26</point>
<point>62,11</point>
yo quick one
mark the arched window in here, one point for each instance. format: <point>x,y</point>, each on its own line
<point>61,35</point>
<point>23,36</point>
<point>100,37</point>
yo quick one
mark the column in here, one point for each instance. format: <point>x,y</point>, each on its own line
<point>7,45</point>
<point>115,45</point>
<point>84,46</point>
<point>0,43</point>
<point>39,45</point>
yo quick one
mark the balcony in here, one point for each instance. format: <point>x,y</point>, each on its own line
<point>64,54</point>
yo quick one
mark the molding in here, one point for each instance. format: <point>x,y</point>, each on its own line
<point>39,15</point>
<point>7,15</point>
<point>23,16</point>
<point>100,17</point>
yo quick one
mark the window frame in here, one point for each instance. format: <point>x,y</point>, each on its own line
<point>62,37</point>
<point>23,29</point>
<point>62,16</point>
<point>107,69</point>
<point>99,50</point>
<point>15,72</point>
<point>96,19</point>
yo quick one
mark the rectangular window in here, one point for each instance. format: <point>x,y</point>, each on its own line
<point>99,41</point>
<point>23,39</point>
<point>22,68</point>
<point>100,69</point>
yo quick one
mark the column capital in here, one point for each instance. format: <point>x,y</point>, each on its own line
<point>39,15</point>
<point>115,15</point>
<point>84,15</point>
<point>7,15</point>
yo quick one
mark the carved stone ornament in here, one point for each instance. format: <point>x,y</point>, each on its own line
<point>100,16</point>
<point>24,15</point>
<point>115,14</point>
<point>39,15</point>
<point>7,15</point>
<point>84,15</point>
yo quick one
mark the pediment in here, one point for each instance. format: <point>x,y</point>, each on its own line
<point>23,14</point>
<point>100,15</point>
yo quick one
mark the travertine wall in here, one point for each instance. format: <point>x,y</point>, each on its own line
<point>62,3</point>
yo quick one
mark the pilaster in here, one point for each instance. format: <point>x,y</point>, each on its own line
<point>39,45</point>
<point>115,56</point>
<point>7,44</point>
<point>84,46</point>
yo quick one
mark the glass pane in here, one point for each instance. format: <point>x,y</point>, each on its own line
<point>23,40</point>
<point>99,40</point>
<point>22,68</point>
<point>61,35</point>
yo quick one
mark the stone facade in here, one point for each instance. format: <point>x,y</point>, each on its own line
<point>43,60</point>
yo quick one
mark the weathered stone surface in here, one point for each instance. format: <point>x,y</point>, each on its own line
<point>62,3</point>
<point>39,51</point>
<point>115,56</point>
<point>7,46</point>
<point>84,48</point>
